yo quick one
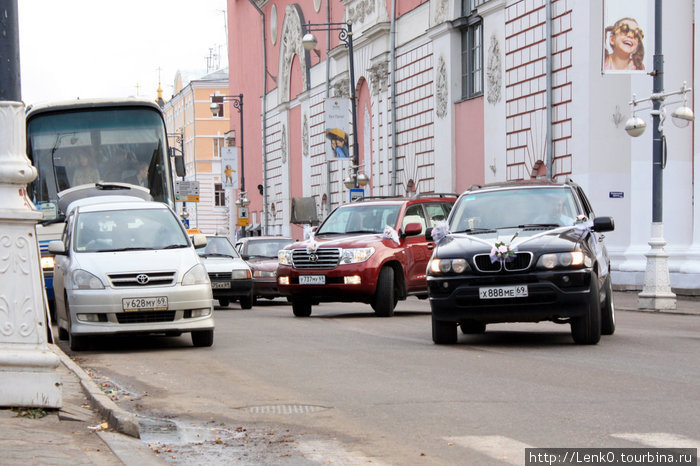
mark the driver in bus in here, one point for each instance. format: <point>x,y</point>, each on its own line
<point>85,172</point>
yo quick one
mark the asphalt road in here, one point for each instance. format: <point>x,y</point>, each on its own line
<point>345,387</point>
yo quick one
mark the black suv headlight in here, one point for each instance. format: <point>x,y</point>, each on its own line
<point>566,260</point>
<point>445,266</point>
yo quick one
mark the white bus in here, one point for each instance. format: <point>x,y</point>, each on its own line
<point>102,142</point>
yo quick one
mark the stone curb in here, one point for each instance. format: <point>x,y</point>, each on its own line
<point>118,419</point>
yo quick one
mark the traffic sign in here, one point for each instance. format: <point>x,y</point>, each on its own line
<point>243,219</point>
<point>357,194</point>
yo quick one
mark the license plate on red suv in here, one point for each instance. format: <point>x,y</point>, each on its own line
<point>312,279</point>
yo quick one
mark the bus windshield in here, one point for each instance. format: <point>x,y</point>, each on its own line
<point>77,146</point>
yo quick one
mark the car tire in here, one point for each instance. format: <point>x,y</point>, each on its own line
<point>472,327</point>
<point>444,333</point>
<point>62,334</point>
<point>224,302</point>
<point>301,307</point>
<point>385,297</point>
<point>585,330</point>
<point>607,326</point>
<point>246,302</point>
<point>202,338</point>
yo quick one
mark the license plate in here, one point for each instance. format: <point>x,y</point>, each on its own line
<point>499,292</point>
<point>221,284</point>
<point>158,303</point>
<point>312,279</point>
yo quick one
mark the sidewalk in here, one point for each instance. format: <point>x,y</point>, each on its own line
<point>627,301</point>
<point>72,434</point>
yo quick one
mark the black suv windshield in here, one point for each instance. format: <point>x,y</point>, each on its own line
<point>367,218</point>
<point>521,207</point>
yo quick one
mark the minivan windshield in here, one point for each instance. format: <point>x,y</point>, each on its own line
<point>521,207</point>
<point>128,230</point>
<point>367,218</point>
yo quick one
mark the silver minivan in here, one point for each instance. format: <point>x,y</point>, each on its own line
<point>126,265</point>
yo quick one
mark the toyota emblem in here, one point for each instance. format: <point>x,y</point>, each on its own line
<point>142,279</point>
<point>313,258</point>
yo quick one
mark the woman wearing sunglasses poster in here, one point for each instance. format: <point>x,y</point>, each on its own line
<point>624,46</point>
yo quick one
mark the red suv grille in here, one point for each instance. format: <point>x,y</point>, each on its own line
<point>323,258</point>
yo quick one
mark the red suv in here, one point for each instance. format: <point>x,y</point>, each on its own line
<point>372,251</point>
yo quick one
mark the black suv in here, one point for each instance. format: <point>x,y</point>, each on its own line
<point>521,252</point>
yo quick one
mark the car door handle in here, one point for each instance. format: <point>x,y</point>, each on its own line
<point>431,245</point>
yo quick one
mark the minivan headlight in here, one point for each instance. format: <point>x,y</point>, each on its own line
<point>573,259</point>
<point>197,275</point>
<point>355,255</point>
<point>442,266</point>
<point>284,257</point>
<point>84,280</point>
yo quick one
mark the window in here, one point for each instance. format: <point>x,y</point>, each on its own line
<point>218,144</point>
<point>219,195</point>
<point>218,99</point>
<point>472,55</point>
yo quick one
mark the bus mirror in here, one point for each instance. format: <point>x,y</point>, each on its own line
<point>179,166</point>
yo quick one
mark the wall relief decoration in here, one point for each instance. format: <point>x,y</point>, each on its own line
<point>494,71</point>
<point>290,45</point>
<point>378,77</point>
<point>360,10</point>
<point>305,136</point>
<point>441,94</point>
<point>440,12</point>
<point>273,24</point>
<point>283,144</point>
<point>341,87</point>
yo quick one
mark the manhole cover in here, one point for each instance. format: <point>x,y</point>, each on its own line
<point>283,409</point>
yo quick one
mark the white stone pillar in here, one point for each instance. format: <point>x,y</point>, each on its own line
<point>28,376</point>
<point>657,293</point>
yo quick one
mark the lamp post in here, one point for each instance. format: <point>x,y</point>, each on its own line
<point>309,42</point>
<point>216,102</point>
<point>657,293</point>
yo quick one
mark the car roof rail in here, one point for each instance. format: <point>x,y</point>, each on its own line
<point>422,195</point>
<point>376,198</point>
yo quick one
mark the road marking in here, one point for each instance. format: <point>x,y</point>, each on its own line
<point>501,448</point>
<point>332,452</point>
<point>660,440</point>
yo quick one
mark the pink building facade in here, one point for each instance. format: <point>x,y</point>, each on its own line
<point>453,93</point>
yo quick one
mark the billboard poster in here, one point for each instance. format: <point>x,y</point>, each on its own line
<point>229,167</point>
<point>628,37</point>
<point>337,128</point>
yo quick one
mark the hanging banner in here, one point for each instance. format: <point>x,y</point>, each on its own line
<point>627,26</point>
<point>337,128</point>
<point>229,167</point>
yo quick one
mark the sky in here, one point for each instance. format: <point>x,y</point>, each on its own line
<point>99,48</point>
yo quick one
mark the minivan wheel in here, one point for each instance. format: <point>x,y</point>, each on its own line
<point>301,307</point>
<point>76,343</point>
<point>202,338</point>
<point>223,302</point>
<point>385,296</point>
<point>585,330</point>
<point>608,310</point>
<point>444,333</point>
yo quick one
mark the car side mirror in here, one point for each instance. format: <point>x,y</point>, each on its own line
<point>199,240</point>
<point>601,224</point>
<point>412,229</point>
<point>429,234</point>
<point>57,248</point>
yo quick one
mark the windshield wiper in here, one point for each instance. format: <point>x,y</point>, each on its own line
<point>125,249</point>
<point>533,225</point>
<point>59,219</point>
<point>477,230</point>
<point>360,231</point>
<point>174,246</point>
<point>216,254</point>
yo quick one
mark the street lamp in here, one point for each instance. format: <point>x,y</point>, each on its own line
<point>309,42</point>
<point>216,103</point>
<point>657,293</point>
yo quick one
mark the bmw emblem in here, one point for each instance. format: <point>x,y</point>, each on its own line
<point>142,279</point>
